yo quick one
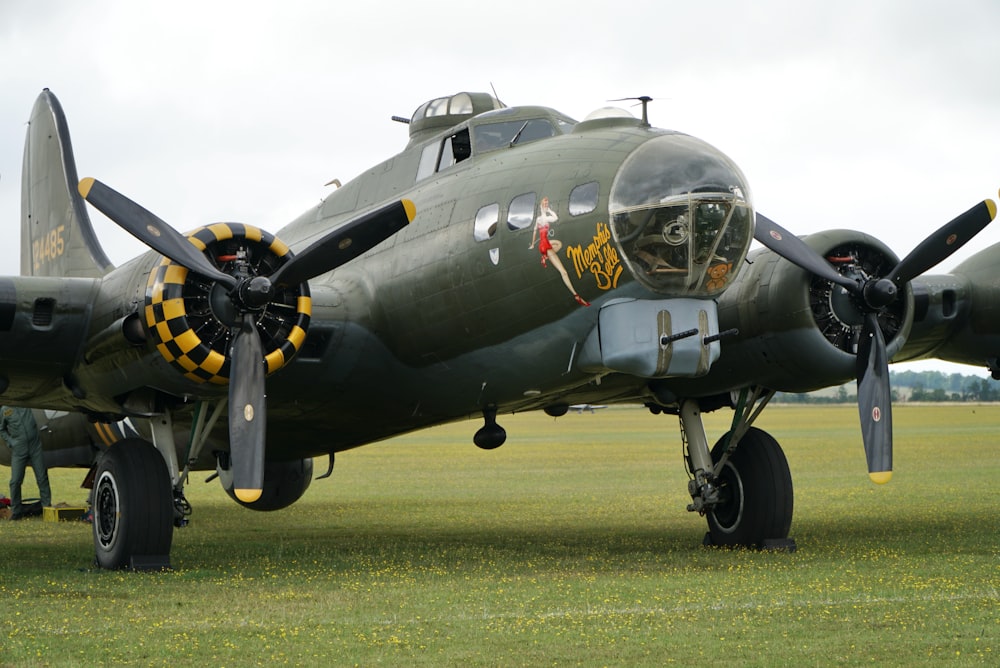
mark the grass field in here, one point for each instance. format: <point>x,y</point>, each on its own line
<point>568,546</point>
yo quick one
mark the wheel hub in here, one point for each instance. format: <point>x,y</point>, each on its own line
<point>728,512</point>
<point>106,507</point>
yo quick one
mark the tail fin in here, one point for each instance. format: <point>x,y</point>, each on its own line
<point>57,238</point>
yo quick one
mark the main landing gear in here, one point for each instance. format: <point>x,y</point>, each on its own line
<point>138,495</point>
<point>743,485</point>
<point>133,508</point>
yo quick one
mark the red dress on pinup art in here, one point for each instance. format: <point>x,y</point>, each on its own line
<point>543,222</point>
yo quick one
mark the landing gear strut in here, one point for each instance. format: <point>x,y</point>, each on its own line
<point>743,485</point>
<point>161,427</point>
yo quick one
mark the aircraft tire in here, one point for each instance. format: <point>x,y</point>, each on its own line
<point>284,484</point>
<point>133,507</point>
<point>757,493</point>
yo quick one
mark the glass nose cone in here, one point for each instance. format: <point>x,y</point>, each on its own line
<point>681,215</point>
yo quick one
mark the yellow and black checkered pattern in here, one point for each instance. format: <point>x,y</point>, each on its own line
<point>168,321</point>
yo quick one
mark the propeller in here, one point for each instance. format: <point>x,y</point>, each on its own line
<point>872,295</point>
<point>248,295</point>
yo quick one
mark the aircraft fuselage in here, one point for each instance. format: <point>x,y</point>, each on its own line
<point>464,308</point>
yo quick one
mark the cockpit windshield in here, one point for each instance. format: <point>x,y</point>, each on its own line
<point>505,134</point>
<point>681,215</point>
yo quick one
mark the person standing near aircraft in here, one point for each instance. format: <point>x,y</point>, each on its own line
<point>19,429</point>
<point>549,248</point>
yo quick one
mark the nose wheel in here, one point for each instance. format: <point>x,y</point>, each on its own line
<point>743,486</point>
<point>755,493</point>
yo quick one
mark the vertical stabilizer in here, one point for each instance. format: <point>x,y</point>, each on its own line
<point>57,238</point>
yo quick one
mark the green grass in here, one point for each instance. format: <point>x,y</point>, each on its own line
<point>568,546</point>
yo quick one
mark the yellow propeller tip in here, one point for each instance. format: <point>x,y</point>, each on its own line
<point>247,495</point>
<point>880,477</point>
<point>84,186</point>
<point>410,208</point>
<point>991,205</point>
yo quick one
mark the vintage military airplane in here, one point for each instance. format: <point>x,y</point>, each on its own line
<point>507,259</point>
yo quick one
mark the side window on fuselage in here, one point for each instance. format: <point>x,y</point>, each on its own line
<point>583,198</point>
<point>521,211</point>
<point>486,222</point>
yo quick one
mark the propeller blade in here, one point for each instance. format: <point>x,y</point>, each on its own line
<point>247,414</point>
<point>346,243</point>
<point>150,230</point>
<point>793,249</point>
<point>875,400</point>
<point>942,243</point>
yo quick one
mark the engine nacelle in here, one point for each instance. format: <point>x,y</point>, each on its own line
<point>957,315</point>
<point>284,482</point>
<point>795,328</point>
<point>190,320</point>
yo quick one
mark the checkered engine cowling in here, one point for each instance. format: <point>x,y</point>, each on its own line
<point>192,326</point>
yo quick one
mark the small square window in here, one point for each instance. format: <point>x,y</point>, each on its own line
<point>521,211</point>
<point>486,222</point>
<point>583,198</point>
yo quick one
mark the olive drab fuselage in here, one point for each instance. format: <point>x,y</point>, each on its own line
<point>522,216</point>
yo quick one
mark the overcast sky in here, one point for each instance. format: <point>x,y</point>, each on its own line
<point>881,116</point>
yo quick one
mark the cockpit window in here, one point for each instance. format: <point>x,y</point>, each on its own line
<point>428,160</point>
<point>455,149</point>
<point>491,136</point>
<point>443,154</point>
